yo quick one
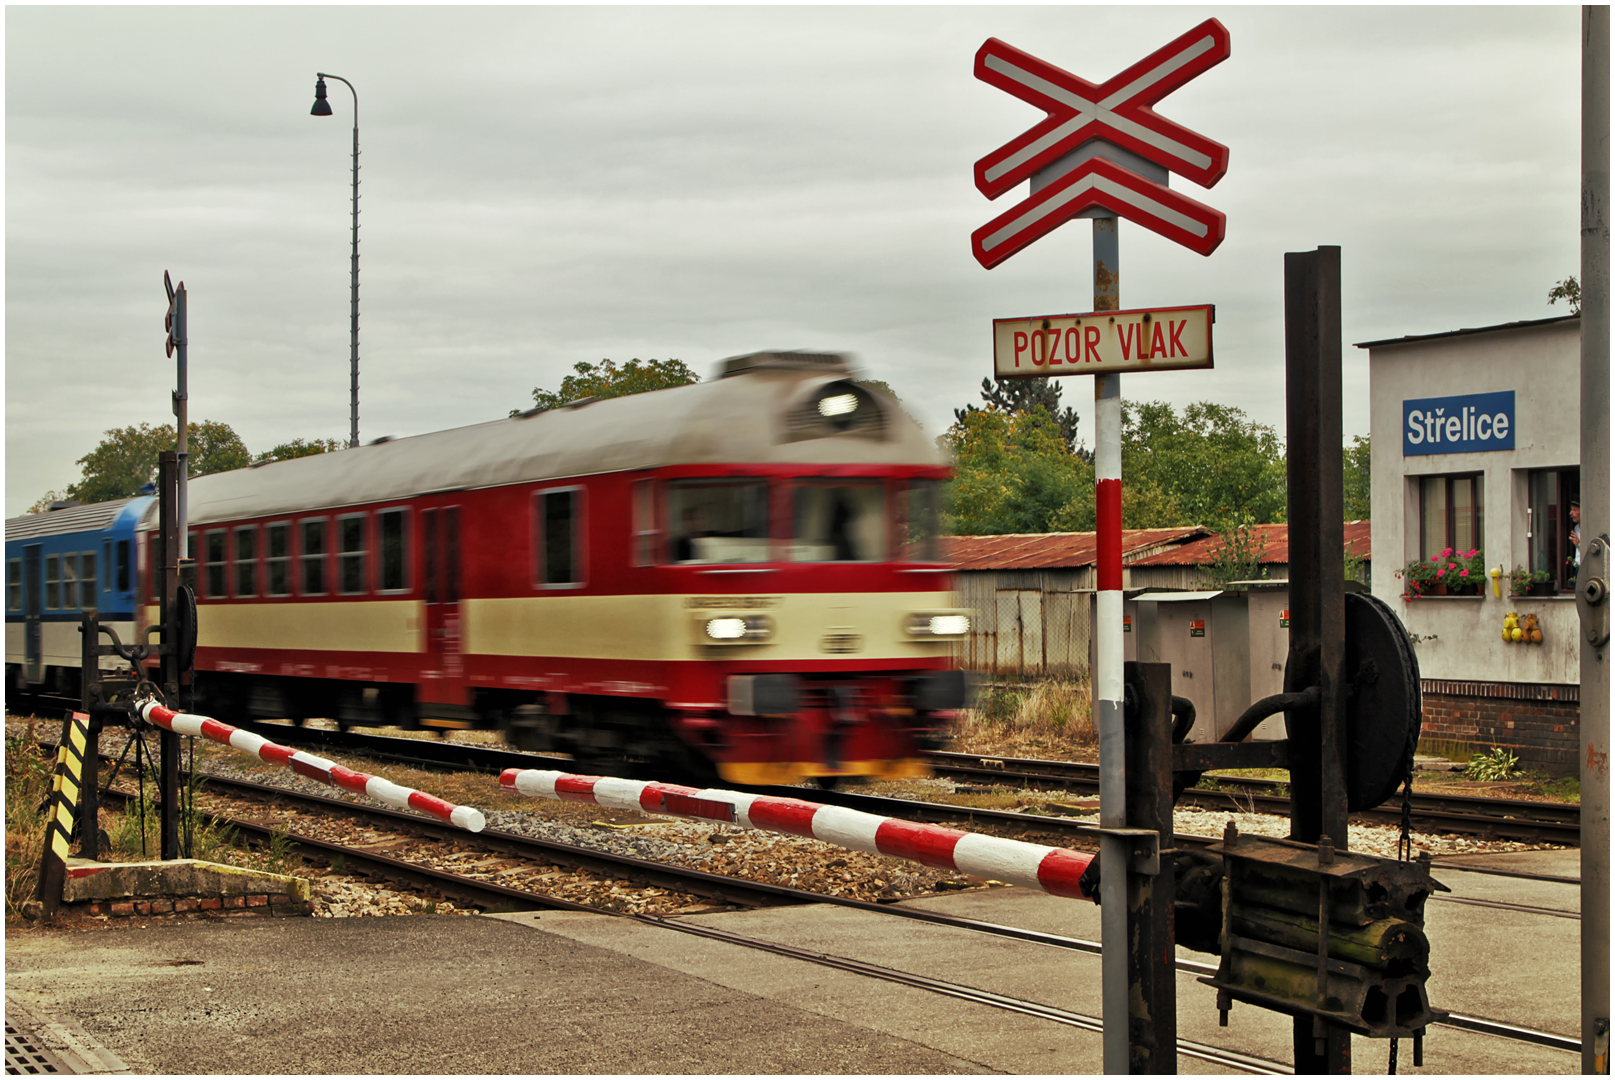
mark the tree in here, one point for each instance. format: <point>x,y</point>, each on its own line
<point>297,448</point>
<point>1357,481</point>
<point>1025,395</point>
<point>44,501</point>
<point>126,459</point>
<point>1013,473</point>
<point>1213,465</point>
<point>1568,290</point>
<point>607,380</point>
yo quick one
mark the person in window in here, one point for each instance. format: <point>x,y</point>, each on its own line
<point>1573,560</point>
<point>691,527</point>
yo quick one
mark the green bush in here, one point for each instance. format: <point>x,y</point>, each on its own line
<point>1495,764</point>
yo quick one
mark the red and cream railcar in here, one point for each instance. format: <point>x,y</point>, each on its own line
<point>739,574</point>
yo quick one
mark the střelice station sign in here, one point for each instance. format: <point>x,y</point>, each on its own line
<point>1154,339</point>
<point>1458,424</point>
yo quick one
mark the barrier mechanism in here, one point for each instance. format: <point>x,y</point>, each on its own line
<point>1055,871</point>
<point>66,787</point>
<point>315,768</point>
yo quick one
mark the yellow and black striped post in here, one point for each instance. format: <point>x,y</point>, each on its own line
<point>65,798</point>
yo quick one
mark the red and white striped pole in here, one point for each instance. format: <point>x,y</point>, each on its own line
<point>1108,690</point>
<point>1052,870</point>
<point>315,768</point>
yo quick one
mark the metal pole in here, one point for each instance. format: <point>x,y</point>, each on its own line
<point>1317,585</point>
<point>182,415</point>
<point>167,519</point>
<point>1107,681</point>
<point>1595,523</point>
<point>1152,970</point>
<point>322,108</point>
<point>353,315</point>
<point>89,703</point>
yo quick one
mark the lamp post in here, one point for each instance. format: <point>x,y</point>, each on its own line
<point>322,107</point>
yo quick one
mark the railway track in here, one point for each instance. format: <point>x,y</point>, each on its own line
<point>1502,819</point>
<point>1488,818</point>
<point>732,892</point>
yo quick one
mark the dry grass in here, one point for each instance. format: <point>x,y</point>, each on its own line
<point>1029,719</point>
<point>28,782</point>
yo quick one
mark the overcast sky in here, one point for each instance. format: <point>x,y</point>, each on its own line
<point>547,185</point>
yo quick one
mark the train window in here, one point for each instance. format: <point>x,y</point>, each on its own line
<point>559,525</point>
<point>278,559</point>
<point>247,560</point>
<point>214,563</point>
<point>311,548</point>
<point>70,581</point>
<point>123,566</point>
<point>392,551</point>
<point>87,579</point>
<point>920,520</point>
<point>13,584</point>
<point>843,521</point>
<point>53,582</point>
<point>106,561</point>
<point>718,521</point>
<point>351,554</point>
<point>645,530</point>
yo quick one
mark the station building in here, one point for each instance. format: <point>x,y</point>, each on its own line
<point>1477,447</point>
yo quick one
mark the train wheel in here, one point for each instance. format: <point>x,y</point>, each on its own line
<point>826,783</point>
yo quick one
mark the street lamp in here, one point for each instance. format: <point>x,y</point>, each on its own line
<point>322,107</point>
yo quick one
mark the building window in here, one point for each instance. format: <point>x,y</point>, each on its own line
<point>247,561</point>
<point>278,559</point>
<point>1450,513</point>
<point>312,555</point>
<point>87,578</point>
<point>559,525</point>
<point>214,562</point>
<point>1553,528</point>
<point>392,552</point>
<point>351,554</point>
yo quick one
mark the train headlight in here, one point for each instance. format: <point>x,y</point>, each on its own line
<point>938,624</point>
<point>735,629</point>
<point>832,405</point>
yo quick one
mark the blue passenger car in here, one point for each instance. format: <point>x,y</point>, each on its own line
<point>58,565</point>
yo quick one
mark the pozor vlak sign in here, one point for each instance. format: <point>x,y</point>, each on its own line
<point>1155,339</point>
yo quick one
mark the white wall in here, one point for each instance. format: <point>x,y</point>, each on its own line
<point>1542,365</point>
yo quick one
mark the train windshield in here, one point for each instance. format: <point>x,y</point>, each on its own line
<point>839,521</point>
<point>718,521</point>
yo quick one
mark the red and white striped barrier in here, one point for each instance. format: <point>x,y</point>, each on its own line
<point>1051,870</point>
<point>315,768</point>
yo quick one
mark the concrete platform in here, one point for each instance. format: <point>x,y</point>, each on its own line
<point>161,887</point>
<point>564,992</point>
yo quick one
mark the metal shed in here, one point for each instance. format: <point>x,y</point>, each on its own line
<point>1031,594</point>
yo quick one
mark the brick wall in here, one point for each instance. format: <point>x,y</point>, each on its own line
<point>1541,724</point>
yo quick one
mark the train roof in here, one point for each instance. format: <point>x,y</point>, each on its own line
<point>90,517</point>
<point>764,408</point>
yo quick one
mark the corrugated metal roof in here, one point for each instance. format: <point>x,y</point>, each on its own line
<point>70,519</point>
<point>1273,541</point>
<point>1520,325</point>
<point>1031,551</point>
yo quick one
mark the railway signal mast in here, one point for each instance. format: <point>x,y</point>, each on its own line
<point>1102,152</point>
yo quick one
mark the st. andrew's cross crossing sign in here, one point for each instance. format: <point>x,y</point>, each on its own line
<point>1116,112</point>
